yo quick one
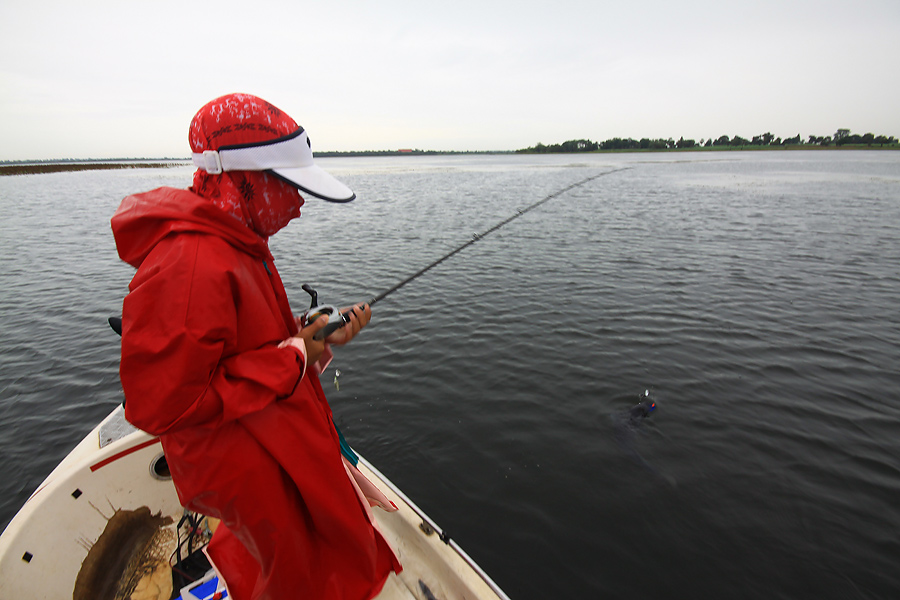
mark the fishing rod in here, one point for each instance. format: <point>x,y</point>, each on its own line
<point>336,319</point>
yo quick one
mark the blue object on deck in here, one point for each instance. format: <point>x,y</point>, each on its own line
<point>207,588</point>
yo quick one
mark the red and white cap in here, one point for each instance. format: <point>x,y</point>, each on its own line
<point>240,132</point>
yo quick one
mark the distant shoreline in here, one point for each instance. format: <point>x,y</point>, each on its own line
<point>50,166</point>
<point>33,168</point>
<point>748,148</point>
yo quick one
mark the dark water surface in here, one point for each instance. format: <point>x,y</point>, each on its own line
<point>755,295</point>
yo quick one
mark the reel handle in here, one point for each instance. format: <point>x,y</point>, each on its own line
<point>336,319</point>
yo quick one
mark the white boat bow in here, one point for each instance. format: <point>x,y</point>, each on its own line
<point>106,523</point>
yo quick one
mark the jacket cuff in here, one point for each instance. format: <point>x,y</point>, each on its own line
<point>300,347</point>
<point>320,365</point>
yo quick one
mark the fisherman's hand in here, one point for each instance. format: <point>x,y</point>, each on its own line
<point>314,348</point>
<point>359,318</point>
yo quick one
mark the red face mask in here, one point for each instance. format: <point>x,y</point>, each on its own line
<point>259,199</point>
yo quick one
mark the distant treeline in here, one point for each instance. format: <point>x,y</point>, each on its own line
<point>841,138</point>
<point>374,153</point>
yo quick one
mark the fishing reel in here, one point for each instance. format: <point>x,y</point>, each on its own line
<point>336,319</point>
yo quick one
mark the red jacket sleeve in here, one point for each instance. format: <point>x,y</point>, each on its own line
<point>189,355</point>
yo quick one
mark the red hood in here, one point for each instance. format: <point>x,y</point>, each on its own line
<point>144,219</point>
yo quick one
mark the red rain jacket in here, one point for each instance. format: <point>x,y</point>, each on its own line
<point>247,434</point>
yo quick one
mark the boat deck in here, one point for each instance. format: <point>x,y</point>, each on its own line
<point>117,479</point>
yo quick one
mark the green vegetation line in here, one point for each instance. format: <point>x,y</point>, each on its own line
<point>841,139</point>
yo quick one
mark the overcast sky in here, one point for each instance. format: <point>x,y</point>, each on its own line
<point>94,79</point>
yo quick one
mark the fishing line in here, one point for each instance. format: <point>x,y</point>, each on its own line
<point>478,236</point>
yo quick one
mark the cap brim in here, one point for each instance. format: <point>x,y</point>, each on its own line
<point>314,180</point>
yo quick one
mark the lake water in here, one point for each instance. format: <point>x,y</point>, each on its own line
<point>756,295</point>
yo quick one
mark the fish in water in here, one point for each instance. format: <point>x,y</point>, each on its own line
<point>642,409</point>
<point>627,426</point>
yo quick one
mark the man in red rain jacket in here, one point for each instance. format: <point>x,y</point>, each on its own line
<point>214,363</point>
